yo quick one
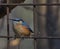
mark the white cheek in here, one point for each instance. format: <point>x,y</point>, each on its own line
<point>20,22</point>
<point>14,23</point>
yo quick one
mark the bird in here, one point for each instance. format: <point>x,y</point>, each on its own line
<point>21,28</point>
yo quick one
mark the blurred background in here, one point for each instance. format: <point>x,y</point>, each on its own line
<point>45,20</point>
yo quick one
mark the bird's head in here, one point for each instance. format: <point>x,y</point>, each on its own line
<point>17,20</point>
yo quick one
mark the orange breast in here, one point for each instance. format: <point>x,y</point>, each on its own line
<point>22,30</point>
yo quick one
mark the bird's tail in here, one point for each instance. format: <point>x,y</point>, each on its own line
<point>15,42</point>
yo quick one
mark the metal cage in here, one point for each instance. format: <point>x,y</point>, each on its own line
<point>35,21</point>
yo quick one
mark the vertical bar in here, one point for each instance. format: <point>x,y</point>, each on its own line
<point>7,25</point>
<point>56,13</point>
<point>42,43</point>
<point>19,45</point>
<point>35,29</point>
<point>52,22</point>
<point>35,24</point>
<point>58,24</point>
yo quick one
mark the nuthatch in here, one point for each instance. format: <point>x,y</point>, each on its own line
<point>21,28</point>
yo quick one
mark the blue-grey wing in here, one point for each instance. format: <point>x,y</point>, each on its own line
<point>25,24</point>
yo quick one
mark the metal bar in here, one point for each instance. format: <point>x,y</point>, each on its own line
<point>35,24</point>
<point>31,37</point>
<point>18,4</point>
<point>19,45</point>
<point>7,25</point>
